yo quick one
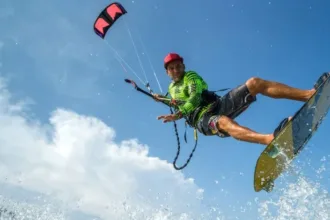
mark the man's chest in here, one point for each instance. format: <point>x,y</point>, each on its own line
<point>180,92</point>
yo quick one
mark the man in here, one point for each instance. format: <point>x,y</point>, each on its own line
<point>213,115</point>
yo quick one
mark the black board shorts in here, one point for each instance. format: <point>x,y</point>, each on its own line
<point>231,105</point>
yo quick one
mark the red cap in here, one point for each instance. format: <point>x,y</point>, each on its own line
<point>171,57</point>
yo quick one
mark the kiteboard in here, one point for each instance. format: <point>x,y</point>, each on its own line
<point>289,142</point>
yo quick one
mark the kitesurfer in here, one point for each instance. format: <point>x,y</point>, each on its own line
<point>211,114</point>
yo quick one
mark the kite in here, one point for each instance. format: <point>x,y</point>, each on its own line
<point>107,18</point>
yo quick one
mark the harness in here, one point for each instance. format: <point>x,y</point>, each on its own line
<point>208,98</point>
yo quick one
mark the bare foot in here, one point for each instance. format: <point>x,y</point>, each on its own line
<point>310,94</point>
<point>269,139</point>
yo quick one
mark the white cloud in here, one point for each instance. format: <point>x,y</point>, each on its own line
<point>75,159</point>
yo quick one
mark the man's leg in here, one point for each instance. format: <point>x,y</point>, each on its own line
<point>277,90</point>
<point>228,125</point>
<point>268,88</point>
<point>255,86</point>
<point>223,120</point>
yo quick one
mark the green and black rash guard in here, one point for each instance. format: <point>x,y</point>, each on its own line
<point>188,94</point>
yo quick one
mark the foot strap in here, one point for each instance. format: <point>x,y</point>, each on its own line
<point>280,126</point>
<point>322,79</point>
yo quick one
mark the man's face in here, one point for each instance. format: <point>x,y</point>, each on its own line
<point>175,70</point>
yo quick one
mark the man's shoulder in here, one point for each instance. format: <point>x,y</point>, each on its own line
<point>191,74</point>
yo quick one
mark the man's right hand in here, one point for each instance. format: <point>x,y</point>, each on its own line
<point>158,97</point>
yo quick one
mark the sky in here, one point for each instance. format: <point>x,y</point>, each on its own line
<point>77,142</point>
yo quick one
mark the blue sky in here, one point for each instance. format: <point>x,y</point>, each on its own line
<point>67,88</point>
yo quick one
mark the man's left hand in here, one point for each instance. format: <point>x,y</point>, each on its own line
<point>167,118</point>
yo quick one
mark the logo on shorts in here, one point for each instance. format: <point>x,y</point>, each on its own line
<point>213,125</point>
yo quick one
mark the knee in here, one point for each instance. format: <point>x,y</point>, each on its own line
<point>255,85</point>
<point>225,124</point>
